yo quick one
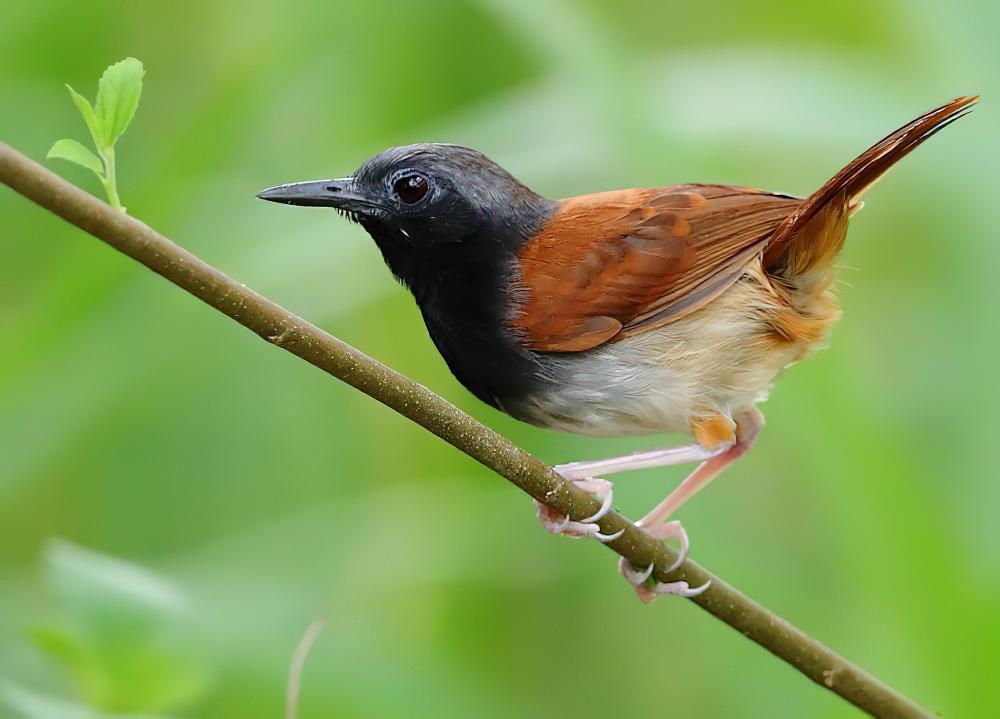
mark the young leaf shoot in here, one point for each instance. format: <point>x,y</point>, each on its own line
<point>118,95</point>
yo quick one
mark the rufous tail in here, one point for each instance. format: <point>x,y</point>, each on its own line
<point>810,238</point>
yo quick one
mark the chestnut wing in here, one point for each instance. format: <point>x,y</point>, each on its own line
<point>637,258</point>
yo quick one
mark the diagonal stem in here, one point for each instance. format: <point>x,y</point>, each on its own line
<point>290,332</point>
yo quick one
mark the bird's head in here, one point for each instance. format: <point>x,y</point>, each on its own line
<point>429,204</point>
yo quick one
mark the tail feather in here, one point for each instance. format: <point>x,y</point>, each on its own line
<point>800,244</point>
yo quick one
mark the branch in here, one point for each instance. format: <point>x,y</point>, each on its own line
<point>290,332</point>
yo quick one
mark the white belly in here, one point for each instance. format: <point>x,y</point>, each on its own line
<point>715,360</point>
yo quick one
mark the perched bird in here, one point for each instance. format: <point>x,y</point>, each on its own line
<point>670,309</point>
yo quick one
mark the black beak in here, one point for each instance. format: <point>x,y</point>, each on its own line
<point>341,194</point>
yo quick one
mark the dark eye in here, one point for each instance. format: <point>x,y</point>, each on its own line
<point>411,188</point>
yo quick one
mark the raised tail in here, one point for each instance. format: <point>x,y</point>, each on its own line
<point>811,237</point>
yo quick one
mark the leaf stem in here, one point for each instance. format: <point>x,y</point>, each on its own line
<point>109,180</point>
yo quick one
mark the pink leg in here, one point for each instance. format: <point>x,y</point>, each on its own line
<point>705,473</point>
<point>583,475</point>
<point>639,460</point>
<point>655,522</point>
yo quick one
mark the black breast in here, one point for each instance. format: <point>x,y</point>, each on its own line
<point>459,266</point>
<point>466,313</point>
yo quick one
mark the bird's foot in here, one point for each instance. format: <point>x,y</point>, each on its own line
<point>641,580</point>
<point>558,523</point>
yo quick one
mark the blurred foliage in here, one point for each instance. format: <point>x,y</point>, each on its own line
<point>138,423</point>
<point>121,639</point>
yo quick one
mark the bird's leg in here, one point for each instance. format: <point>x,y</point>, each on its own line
<point>639,460</point>
<point>747,425</point>
<point>583,474</point>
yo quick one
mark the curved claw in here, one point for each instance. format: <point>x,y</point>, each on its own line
<point>672,530</point>
<point>550,519</point>
<point>663,532</point>
<point>575,530</point>
<point>605,538</point>
<point>559,523</point>
<point>681,535</point>
<point>563,526</point>
<point>605,489</point>
<point>680,589</point>
<point>635,578</point>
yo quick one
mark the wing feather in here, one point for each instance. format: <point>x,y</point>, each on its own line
<point>615,263</point>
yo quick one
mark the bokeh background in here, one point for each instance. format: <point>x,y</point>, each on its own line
<point>178,500</point>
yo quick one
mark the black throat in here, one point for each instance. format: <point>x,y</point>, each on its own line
<point>466,294</point>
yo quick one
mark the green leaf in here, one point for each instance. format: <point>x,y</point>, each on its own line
<point>89,117</point>
<point>77,652</point>
<point>118,95</point>
<point>125,634</point>
<point>75,152</point>
<point>102,588</point>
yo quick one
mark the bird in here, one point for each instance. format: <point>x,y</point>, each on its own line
<point>670,309</point>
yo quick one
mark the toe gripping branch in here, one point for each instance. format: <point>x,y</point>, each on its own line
<point>559,523</point>
<point>647,590</point>
<point>640,579</point>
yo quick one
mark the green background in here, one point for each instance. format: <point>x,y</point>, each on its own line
<point>138,423</point>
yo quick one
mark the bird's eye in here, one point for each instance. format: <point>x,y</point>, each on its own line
<point>411,188</point>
